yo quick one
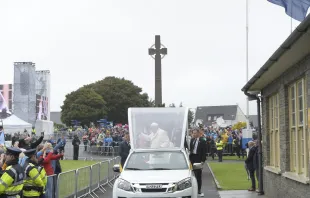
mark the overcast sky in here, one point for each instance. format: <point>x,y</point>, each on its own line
<point>81,42</point>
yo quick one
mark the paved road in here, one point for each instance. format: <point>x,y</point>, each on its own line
<point>208,186</point>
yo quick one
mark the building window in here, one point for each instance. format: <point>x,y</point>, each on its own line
<point>10,86</point>
<point>274,135</point>
<point>215,117</point>
<point>209,118</point>
<point>1,87</point>
<point>297,117</point>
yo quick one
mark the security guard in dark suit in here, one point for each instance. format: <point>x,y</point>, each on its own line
<point>198,155</point>
<point>11,181</point>
<point>33,184</point>
<point>124,149</point>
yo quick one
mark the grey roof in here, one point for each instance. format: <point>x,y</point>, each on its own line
<point>288,43</point>
<point>55,117</point>
<point>254,120</point>
<point>228,112</point>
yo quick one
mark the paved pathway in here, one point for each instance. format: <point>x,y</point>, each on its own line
<point>239,194</point>
<point>208,184</point>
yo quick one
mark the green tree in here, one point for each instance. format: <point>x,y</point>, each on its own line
<point>84,105</point>
<point>239,125</point>
<point>120,94</point>
<point>190,117</point>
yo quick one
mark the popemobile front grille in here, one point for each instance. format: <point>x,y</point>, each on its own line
<point>153,190</point>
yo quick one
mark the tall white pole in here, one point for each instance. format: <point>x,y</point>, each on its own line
<point>247,59</point>
<point>291,25</point>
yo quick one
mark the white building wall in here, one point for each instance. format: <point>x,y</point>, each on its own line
<point>240,116</point>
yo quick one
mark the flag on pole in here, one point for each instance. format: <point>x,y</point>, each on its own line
<point>297,9</point>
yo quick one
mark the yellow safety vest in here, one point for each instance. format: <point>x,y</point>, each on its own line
<point>33,184</point>
<point>11,182</point>
<point>219,145</point>
<point>33,131</point>
<point>43,175</point>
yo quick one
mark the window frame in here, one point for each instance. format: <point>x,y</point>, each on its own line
<point>274,131</point>
<point>298,128</point>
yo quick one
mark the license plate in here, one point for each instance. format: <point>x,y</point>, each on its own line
<point>154,186</point>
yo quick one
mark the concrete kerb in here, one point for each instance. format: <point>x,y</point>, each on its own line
<point>214,178</point>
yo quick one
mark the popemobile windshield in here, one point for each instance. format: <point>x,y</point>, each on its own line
<point>157,128</point>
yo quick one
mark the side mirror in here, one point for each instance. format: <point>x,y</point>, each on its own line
<point>116,168</point>
<point>197,166</point>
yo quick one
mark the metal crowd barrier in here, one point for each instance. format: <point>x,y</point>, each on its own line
<point>83,181</point>
<point>92,152</point>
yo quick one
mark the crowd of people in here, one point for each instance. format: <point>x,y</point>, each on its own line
<point>95,139</point>
<point>27,164</point>
<point>225,140</point>
<point>204,140</point>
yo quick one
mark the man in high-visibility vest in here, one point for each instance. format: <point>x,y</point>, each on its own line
<point>33,184</point>
<point>11,181</point>
<point>219,148</point>
<point>33,131</point>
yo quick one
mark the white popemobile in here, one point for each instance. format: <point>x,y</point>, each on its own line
<point>158,164</point>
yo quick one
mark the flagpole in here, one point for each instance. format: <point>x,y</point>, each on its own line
<point>291,25</point>
<point>247,58</point>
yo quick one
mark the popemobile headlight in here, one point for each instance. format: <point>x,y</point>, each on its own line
<point>184,184</point>
<point>124,185</point>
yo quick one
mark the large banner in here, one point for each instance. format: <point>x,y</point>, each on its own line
<point>247,135</point>
<point>24,98</point>
<point>7,96</point>
<point>43,95</point>
<point>2,103</point>
<point>42,110</point>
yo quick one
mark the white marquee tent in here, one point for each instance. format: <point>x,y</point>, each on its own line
<point>14,124</point>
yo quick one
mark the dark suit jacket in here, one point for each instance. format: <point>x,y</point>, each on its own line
<point>251,160</point>
<point>124,149</point>
<point>201,151</point>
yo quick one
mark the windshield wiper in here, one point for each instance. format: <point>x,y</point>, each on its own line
<point>133,169</point>
<point>160,169</point>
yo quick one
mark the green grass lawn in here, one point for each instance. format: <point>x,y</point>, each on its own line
<point>231,176</point>
<point>231,158</point>
<point>67,183</point>
<point>67,165</point>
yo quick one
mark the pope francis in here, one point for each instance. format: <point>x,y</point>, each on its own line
<point>158,137</point>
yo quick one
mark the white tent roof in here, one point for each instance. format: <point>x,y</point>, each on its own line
<point>14,124</point>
